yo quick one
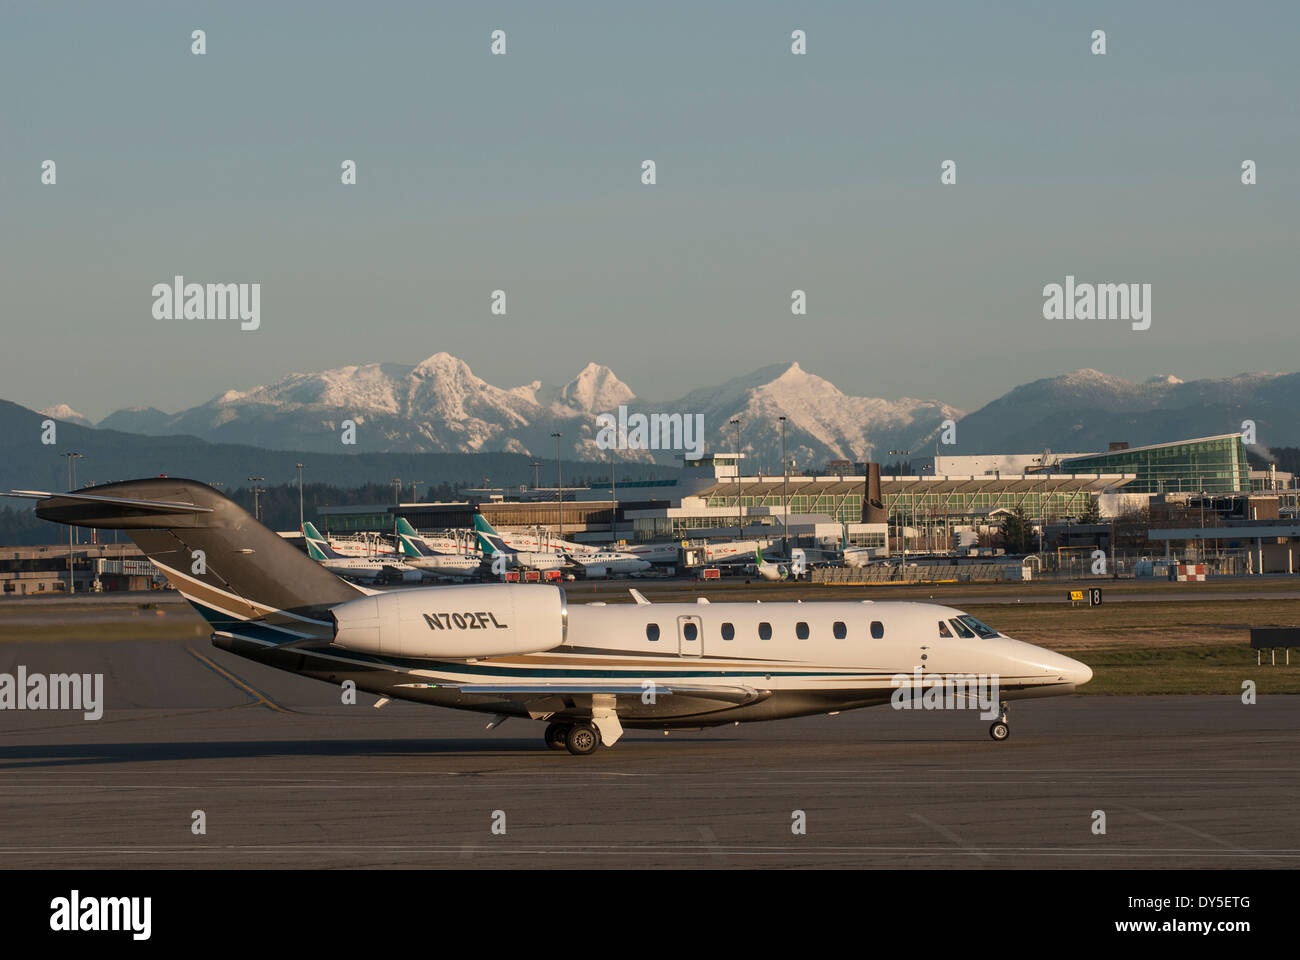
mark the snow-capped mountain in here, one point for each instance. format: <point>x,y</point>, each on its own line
<point>1087,409</point>
<point>61,411</point>
<point>822,423</point>
<point>440,405</point>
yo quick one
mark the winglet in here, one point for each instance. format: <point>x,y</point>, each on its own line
<point>638,596</point>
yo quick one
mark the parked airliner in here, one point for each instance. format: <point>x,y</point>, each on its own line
<point>520,650</point>
<point>421,556</point>
<point>495,548</point>
<point>362,568</point>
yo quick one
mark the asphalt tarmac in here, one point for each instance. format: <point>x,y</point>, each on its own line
<point>288,776</point>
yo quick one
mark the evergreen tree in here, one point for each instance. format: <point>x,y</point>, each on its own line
<point>1017,531</point>
<point>1091,513</point>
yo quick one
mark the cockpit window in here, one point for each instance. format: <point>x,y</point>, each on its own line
<point>944,631</point>
<point>962,629</point>
<point>982,630</point>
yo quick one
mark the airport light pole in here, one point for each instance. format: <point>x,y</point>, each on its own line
<point>559,481</point>
<point>785,493</point>
<point>740,515</point>
<point>72,459</point>
<point>613,495</point>
<point>1200,547</point>
<point>397,501</point>
<point>300,517</point>
<point>76,531</point>
<point>257,504</point>
<point>903,510</point>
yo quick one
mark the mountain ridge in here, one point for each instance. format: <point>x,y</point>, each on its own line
<point>440,405</point>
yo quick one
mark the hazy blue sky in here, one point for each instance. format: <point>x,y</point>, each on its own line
<point>523,172</point>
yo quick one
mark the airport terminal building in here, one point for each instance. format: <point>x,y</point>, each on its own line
<point>1195,497</point>
<point>949,502</point>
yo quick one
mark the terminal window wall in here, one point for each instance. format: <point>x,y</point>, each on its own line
<point>867,539</point>
<point>918,505</point>
<point>1215,466</point>
<point>908,504</point>
<point>333,523</point>
<point>845,508</point>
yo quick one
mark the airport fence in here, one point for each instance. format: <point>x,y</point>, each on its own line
<point>1124,565</point>
<point>915,573</point>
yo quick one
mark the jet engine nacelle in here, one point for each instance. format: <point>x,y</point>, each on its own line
<point>486,620</point>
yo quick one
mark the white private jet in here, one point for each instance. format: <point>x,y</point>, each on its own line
<point>519,650</point>
<point>606,563</point>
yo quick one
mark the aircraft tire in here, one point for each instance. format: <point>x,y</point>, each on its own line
<point>557,735</point>
<point>582,739</point>
<point>999,731</point>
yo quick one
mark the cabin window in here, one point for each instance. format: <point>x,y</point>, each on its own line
<point>877,629</point>
<point>728,632</point>
<point>840,630</point>
<point>689,632</point>
<point>652,632</point>
<point>801,630</point>
<point>944,631</point>
<point>765,631</point>
<point>962,629</point>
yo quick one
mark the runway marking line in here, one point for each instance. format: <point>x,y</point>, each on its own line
<point>948,835</point>
<point>251,691</point>
<point>1200,834</point>
<point>711,843</point>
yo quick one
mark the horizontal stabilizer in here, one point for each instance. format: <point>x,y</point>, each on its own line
<point>158,506</point>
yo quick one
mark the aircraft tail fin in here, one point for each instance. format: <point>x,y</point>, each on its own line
<point>489,541</point>
<point>225,563</point>
<point>413,545</point>
<point>318,547</point>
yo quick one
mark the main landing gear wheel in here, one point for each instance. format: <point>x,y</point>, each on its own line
<point>557,735</point>
<point>999,730</point>
<point>582,739</point>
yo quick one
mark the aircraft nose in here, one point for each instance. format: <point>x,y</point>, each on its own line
<point>1075,672</point>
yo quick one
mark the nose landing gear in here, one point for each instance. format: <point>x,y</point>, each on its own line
<point>999,730</point>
